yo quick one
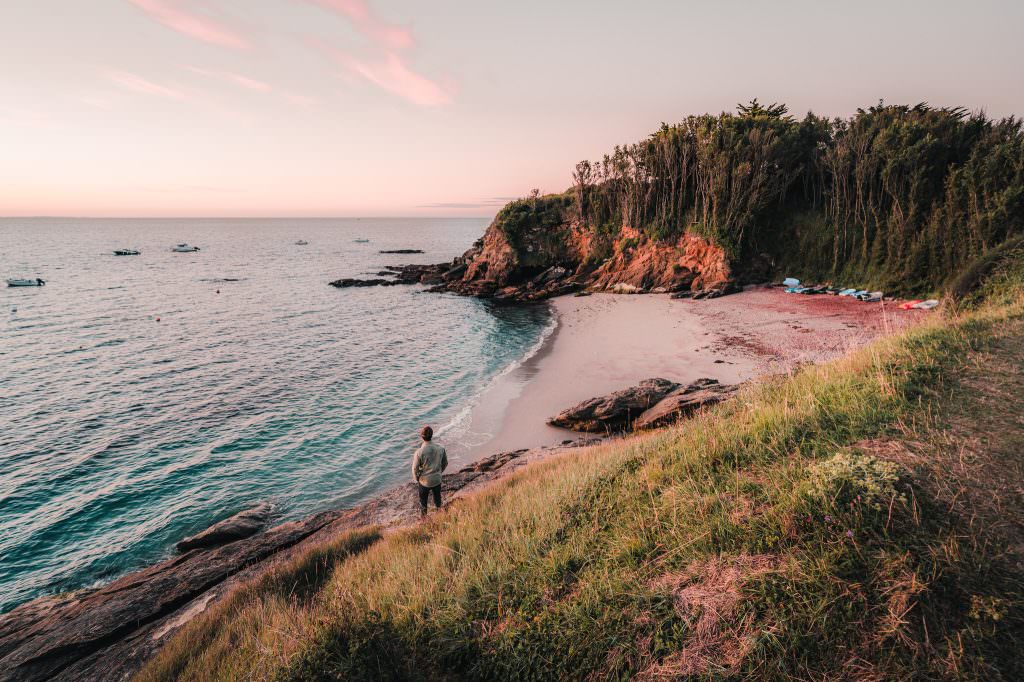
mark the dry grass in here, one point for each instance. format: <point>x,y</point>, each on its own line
<point>713,548</point>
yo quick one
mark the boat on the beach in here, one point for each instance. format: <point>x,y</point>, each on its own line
<point>301,242</point>
<point>127,252</point>
<point>185,248</point>
<point>37,282</point>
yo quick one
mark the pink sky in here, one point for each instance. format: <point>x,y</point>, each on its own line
<point>366,107</point>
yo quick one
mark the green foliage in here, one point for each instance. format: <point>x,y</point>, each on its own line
<point>849,478</point>
<point>537,217</point>
<point>902,197</point>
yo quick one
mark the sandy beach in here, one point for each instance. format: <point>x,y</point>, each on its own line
<point>606,342</point>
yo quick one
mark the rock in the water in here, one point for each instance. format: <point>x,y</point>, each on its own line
<point>683,402</point>
<point>347,282</point>
<point>614,412</point>
<point>241,525</point>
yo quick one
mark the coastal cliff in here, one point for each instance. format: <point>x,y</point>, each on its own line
<point>538,247</point>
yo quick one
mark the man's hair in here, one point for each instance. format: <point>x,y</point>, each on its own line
<point>427,433</point>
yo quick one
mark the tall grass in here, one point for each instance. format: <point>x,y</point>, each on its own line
<point>761,537</point>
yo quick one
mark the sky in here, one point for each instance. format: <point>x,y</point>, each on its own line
<point>442,107</point>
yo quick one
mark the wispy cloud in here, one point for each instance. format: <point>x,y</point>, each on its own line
<point>183,17</point>
<point>390,36</point>
<point>393,74</point>
<point>136,83</point>
<point>232,77</point>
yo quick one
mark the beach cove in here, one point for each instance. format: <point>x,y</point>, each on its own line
<point>602,342</point>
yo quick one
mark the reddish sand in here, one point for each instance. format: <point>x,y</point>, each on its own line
<point>784,329</point>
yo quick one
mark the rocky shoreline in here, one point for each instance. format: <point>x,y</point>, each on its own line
<point>108,633</point>
<point>522,265</point>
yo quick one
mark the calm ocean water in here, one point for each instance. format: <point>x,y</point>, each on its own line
<point>121,434</point>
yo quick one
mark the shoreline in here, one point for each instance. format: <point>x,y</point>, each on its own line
<point>603,341</point>
<point>606,342</point>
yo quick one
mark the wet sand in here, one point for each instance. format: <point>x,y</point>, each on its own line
<point>606,342</point>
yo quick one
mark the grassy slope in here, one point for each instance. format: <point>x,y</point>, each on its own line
<point>858,519</point>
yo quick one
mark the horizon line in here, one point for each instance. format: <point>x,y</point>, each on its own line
<point>238,217</point>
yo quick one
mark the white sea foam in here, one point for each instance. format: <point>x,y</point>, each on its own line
<point>458,428</point>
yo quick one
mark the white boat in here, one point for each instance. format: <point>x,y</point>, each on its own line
<point>301,242</point>
<point>25,282</point>
<point>127,252</point>
<point>184,248</point>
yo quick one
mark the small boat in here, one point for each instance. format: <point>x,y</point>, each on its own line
<point>127,252</point>
<point>25,282</point>
<point>184,248</point>
<point>870,296</point>
<point>301,242</point>
<point>361,241</point>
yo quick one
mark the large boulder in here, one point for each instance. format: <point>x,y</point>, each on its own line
<point>237,527</point>
<point>682,402</point>
<point>614,412</point>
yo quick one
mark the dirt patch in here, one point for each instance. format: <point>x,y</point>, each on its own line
<point>707,595</point>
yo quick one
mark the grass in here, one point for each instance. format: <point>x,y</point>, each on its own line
<point>855,520</point>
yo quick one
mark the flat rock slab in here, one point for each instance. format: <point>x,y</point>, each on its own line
<point>616,411</point>
<point>241,525</point>
<point>651,404</point>
<point>682,402</point>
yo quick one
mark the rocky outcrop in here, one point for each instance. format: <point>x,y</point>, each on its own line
<point>103,634</point>
<point>641,265</point>
<point>682,402</point>
<point>651,404</point>
<point>614,412</point>
<point>534,249</point>
<point>237,527</point>
<point>406,274</point>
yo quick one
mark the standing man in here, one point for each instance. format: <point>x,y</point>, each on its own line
<point>427,464</point>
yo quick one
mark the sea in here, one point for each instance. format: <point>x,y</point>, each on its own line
<point>143,398</point>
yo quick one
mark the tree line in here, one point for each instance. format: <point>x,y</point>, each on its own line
<point>898,196</point>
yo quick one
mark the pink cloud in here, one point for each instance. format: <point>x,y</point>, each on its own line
<point>390,36</point>
<point>236,78</point>
<point>180,16</point>
<point>394,75</point>
<point>136,83</point>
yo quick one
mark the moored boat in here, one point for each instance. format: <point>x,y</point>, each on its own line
<point>37,282</point>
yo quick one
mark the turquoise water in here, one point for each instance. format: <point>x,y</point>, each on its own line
<point>120,434</point>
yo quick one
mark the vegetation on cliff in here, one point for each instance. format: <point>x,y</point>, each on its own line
<point>859,519</point>
<point>896,197</point>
